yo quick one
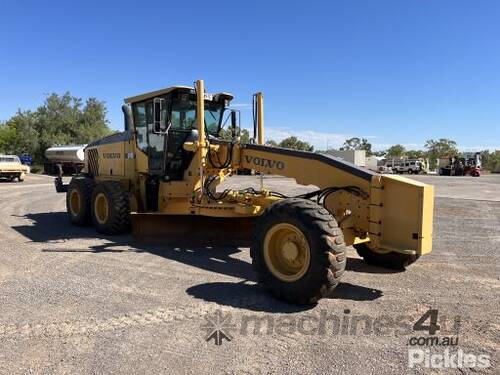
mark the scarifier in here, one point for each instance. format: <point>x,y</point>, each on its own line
<point>160,176</point>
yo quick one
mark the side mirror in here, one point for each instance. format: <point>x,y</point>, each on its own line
<point>159,116</point>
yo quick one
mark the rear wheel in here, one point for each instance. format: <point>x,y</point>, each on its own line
<point>78,200</point>
<point>391,259</point>
<point>298,251</point>
<point>110,208</point>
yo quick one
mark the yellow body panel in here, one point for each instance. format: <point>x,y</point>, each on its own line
<point>112,159</point>
<point>406,214</point>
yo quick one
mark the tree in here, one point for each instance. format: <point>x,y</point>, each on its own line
<point>272,143</point>
<point>61,119</point>
<point>356,143</point>
<point>440,148</point>
<point>244,135</point>
<point>415,154</point>
<point>491,160</point>
<point>379,153</point>
<point>8,137</point>
<point>396,151</point>
<point>295,144</point>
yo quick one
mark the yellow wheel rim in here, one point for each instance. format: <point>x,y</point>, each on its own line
<point>74,202</point>
<point>101,208</point>
<point>286,252</point>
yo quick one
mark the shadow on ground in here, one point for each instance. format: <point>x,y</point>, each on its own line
<point>359,265</point>
<point>254,297</point>
<point>53,228</point>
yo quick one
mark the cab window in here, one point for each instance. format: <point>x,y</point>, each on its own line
<point>141,126</point>
<point>183,115</point>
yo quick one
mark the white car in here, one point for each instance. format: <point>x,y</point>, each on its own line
<point>12,168</point>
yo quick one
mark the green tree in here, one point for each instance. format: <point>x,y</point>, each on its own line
<point>8,138</point>
<point>415,154</point>
<point>356,143</point>
<point>491,160</point>
<point>295,144</point>
<point>440,148</point>
<point>225,133</point>
<point>494,161</point>
<point>61,119</point>
<point>396,151</point>
<point>272,143</point>
<point>379,153</point>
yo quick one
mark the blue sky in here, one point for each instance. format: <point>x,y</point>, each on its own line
<point>392,71</point>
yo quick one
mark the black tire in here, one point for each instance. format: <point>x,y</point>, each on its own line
<point>83,187</point>
<point>391,260</point>
<point>326,244</point>
<point>118,206</point>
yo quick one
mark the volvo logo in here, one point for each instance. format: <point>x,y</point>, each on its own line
<point>266,163</point>
<point>111,155</point>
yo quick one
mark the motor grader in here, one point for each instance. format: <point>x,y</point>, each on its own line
<point>160,176</point>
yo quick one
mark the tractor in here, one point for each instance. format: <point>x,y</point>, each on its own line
<point>159,178</point>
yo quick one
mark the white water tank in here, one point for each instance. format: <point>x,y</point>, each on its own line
<point>65,154</point>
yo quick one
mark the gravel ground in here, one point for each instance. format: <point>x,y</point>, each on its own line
<point>76,302</point>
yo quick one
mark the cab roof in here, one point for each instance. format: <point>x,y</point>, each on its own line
<point>153,94</point>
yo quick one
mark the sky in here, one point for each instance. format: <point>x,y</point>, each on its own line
<point>389,71</point>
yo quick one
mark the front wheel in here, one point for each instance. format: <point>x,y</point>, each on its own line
<point>391,259</point>
<point>110,208</point>
<point>298,251</point>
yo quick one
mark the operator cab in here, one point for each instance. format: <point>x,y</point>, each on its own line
<point>165,119</point>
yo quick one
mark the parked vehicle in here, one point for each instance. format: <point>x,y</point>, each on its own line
<point>67,158</point>
<point>384,169</point>
<point>12,168</point>
<point>466,164</point>
<point>26,159</point>
<point>410,166</point>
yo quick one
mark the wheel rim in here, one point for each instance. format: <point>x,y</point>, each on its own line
<point>286,252</point>
<point>74,202</point>
<point>101,208</point>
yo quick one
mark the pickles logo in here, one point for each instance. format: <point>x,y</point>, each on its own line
<point>266,163</point>
<point>111,155</point>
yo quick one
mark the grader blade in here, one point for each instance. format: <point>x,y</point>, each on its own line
<point>155,229</point>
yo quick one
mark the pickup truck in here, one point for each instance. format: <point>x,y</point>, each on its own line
<point>11,168</point>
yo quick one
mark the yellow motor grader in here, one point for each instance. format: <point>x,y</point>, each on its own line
<point>160,177</point>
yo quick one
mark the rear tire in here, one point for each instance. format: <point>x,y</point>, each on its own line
<point>391,260</point>
<point>110,208</point>
<point>78,198</point>
<point>318,236</point>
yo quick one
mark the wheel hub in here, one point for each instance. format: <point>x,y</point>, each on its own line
<point>290,251</point>
<point>286,252</point>
<point>101,208</point>
<point>74,202</point>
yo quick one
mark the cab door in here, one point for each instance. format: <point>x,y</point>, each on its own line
<point>150,153</point>
<point>181,129</point>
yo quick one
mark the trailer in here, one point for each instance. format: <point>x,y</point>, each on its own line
<point>64,159</point>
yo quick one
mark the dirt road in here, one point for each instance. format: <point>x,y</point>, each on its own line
<point>76,302</point>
